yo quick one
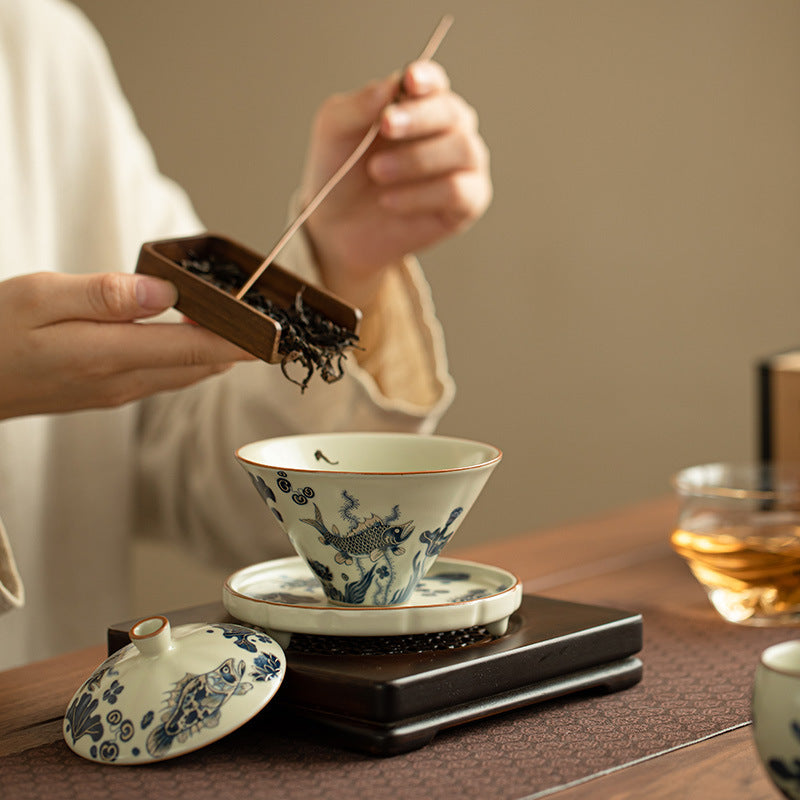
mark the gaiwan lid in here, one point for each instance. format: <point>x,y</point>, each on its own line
<point>172,691</point>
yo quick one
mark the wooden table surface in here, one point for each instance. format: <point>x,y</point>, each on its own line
<point>621,556</point>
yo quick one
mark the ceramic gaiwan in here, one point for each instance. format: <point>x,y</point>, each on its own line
<point>369,512</point>
<point>172,691</point>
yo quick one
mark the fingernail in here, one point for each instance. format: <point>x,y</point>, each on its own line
<point>398,121</point>
<point>153,294</point>
<point>424,76</point>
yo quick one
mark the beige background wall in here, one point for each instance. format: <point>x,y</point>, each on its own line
<point>605,317</point>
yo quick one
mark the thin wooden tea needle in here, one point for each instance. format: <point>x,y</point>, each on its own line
<point>426,54</point>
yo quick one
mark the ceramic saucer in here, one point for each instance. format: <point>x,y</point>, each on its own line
<point>283,596</point>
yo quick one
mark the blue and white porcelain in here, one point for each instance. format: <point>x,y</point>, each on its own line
<point>284,597</point>
<point>369,512</point>
<point>776,715</point>
<point>172,691</point>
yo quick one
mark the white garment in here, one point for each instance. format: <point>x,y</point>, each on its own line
<point>79,193</point>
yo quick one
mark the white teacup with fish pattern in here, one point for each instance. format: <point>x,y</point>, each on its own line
<point>369,512</point>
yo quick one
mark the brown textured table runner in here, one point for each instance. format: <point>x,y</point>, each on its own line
<point>697,679</point>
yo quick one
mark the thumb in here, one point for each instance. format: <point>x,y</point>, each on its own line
<point>111,297</point>
<point>154,294</point>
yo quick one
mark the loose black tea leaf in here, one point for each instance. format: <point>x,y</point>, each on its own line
<point>320,456</point>
<point>308,338</point>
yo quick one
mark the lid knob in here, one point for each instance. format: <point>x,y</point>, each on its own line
<point>152,636</point>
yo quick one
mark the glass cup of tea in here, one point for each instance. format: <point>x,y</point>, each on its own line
<point>739,531</point>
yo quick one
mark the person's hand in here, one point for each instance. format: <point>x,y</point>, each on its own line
<point>70,342</point>
<point>425,177</point>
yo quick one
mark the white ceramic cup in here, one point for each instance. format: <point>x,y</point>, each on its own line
<point>369,512</point>
<point>776,715</point>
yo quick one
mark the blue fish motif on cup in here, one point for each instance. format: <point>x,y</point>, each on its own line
<point>196,702</point>
<point>372,536</point>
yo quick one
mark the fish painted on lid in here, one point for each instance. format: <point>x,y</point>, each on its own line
<point>196,702</point>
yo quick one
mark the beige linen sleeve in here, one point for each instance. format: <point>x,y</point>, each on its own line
<point>12,593</point>
<point>400,351</point>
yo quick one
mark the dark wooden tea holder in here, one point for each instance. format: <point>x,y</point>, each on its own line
<point>397,697</point>
<point>223,313</point>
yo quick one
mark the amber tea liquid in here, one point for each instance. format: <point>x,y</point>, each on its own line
<point>751,573</point>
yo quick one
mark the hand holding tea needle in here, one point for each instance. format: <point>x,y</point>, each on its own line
<point>430,48</point>
<point>401,165</point>
<point>426,177</point>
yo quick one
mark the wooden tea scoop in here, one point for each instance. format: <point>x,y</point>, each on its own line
<point>426,54</point>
